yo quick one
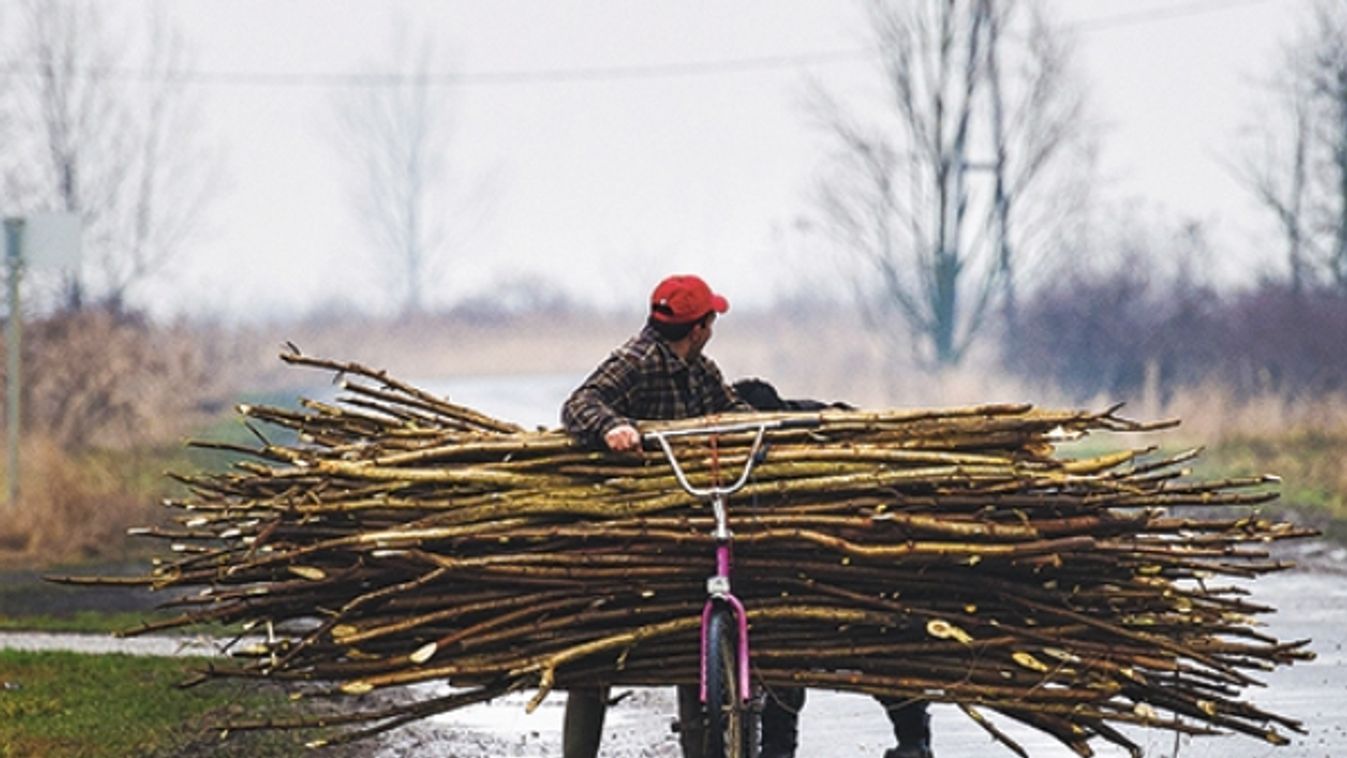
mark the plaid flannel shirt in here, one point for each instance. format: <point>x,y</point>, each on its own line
<point>645,379</point>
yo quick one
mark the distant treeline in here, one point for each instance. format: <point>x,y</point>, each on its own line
<point>1114,333</point>
<point>98,376</point>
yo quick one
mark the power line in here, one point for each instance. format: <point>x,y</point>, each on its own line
<point>590,74</point>
<point>1177,10</point>
<point>458,79</point>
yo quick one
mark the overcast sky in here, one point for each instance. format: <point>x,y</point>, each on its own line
<point>603,181</point>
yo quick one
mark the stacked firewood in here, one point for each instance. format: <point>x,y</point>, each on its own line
<point>955,555</point>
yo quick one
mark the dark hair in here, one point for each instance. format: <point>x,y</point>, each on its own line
<point>676,332</point>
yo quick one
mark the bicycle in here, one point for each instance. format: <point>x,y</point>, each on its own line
<point>725,691</point>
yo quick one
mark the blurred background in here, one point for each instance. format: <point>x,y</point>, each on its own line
<point>907,203</point>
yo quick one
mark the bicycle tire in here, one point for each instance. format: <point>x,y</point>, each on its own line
<point>729,729</point>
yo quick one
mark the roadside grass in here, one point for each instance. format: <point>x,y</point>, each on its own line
<point>68,704</point>
<point>74,516</point>
<point>1312,465</point>
<point>85,621</point>
<point>76,505</point>
<point>108,622</point>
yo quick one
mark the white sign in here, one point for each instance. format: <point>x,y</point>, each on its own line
<point>52,240</point>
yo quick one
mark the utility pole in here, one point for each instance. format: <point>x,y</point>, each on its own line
<point>13,333</point>
<point>1000,198</point>
<point>45,240</point>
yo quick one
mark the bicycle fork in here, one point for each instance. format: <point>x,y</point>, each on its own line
<point>718,591</point>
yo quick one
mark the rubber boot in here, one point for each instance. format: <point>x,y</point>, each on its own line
<point>911,727</point>
<point>781,722</point>
<point>582,728</point>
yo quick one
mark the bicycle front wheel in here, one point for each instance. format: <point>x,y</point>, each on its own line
<point>729,724</point>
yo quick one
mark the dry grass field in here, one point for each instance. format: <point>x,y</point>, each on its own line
<point>81,491</point>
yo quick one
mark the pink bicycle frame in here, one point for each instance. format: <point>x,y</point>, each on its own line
<point>724,559</point>
<point>718,585</point>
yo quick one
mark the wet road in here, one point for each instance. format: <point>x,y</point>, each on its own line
<point>1310,605</point>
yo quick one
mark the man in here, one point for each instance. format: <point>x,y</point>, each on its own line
<point>662,374</point>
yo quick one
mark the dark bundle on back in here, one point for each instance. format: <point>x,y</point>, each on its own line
<point>946,555</point>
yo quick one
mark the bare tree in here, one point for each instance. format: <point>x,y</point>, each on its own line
<point>1328,88</point>
<point>931,195</point>
<point>9,175</point>
<point>395,134</point>
<point>1296,161</point>
<point>111,137</point>
<point>1276,174</point>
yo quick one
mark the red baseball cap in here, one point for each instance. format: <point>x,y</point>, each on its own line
<point>684,298</point>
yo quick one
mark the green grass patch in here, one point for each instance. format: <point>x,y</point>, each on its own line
<point>142,469</point>
<point>79,621</point>
<point>68,704</point>
<point>230,427</point>
<point>1312,466</point>
<point>106,622</point>
<point>30,603</point>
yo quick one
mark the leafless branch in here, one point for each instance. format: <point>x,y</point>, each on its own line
<point>398,136</point>
<point>128,158</point>
<point>911,198</point>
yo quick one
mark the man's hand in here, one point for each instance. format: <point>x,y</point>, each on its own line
<point>623,439</point>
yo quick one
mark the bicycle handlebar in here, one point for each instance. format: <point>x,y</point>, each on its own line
<point>742,426</point>
<point>761,427</point>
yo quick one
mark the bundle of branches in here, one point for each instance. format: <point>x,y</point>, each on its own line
<point>944,555</point>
